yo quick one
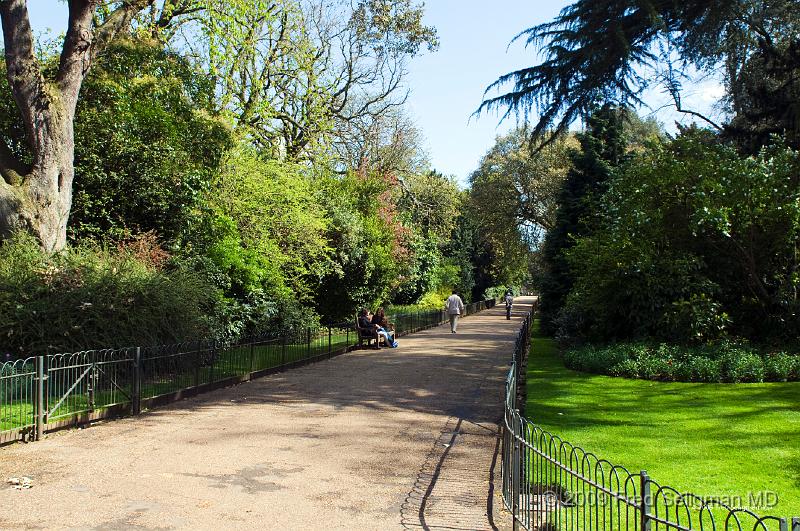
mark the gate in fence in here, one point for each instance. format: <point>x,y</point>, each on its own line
<point>551,484</point>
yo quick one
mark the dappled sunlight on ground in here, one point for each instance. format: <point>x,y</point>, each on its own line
<point>372,439</point>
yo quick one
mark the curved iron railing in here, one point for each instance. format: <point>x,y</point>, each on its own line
<point>40,393</point>
<point>17,396</point>
<point>551,484</point>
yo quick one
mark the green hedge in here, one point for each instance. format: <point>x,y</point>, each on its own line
<point>88,297</point>
<point>719,362</point>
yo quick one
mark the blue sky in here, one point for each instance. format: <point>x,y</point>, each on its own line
<point>447,86</point>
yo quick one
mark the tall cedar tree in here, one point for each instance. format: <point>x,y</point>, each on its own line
<point>611,50</point>
<point>602,149</point>
<point>767,100</point>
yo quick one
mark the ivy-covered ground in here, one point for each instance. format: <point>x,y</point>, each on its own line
<point>709,439</point>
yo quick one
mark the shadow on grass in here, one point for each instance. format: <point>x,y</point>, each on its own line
<point>711,439</point>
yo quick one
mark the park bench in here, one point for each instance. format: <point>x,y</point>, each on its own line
<point>366,334</point>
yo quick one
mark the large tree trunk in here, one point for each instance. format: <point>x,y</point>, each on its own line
<point>38,198</point>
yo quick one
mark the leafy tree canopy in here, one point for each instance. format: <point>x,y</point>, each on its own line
<point>277,213</point>
<point>147,146</point>
<point>515,189</point>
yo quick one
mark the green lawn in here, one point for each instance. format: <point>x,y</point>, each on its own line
<point>709,439</point>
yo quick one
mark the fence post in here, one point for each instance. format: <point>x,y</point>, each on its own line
<point>136,399</point>
<point>515,473</point>
<point>39,397</point>
<point>92,386</point>
<point>198,360</point>
<point>213,359</point>
<point>645,506</point>
<point>329,339</point>
<point>252,352</point>
<point>283,350</point>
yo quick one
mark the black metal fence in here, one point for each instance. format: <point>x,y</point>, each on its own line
<point>44,393</point>
<point>551,484</point>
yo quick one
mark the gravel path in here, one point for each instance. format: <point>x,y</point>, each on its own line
<point>390,439</point>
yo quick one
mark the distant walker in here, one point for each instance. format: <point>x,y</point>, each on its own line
<point>454,308</point>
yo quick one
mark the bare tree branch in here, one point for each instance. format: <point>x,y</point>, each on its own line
<point>673,87</point>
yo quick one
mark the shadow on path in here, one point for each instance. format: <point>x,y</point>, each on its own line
<point>396,438</point>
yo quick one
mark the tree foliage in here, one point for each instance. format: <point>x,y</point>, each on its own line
<point>277,215</point>
<point>515,188</point>
<point>292,74</point>
<point>602,149</point>
<point>371,246</point>
<point>260,150</point>
<point>695,241</point>
<point>611,50</point>
<point>147,146</point>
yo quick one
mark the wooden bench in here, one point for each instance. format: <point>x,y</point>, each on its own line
<point>366,334</point>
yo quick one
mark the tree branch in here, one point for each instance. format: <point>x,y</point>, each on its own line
<point>697,114</point>
<point>171,11</point>
<point>116,21</point>
<point>83,42</point>
<point>674,88</point>
<point>75,55</point>
<point>25,79</point>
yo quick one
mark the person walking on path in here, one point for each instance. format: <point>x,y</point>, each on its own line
<point>509,300</point>
<point>454,307</point>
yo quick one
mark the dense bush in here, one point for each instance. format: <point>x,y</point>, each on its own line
<point>370,256</point>
<point>724,361</point>
<point>694,242</point>
<point>87,297</point>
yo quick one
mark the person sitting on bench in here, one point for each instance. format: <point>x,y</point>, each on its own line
<point>367,329</point>
<point>384,328</point>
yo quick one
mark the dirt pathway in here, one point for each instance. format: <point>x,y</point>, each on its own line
<point>390,439</point>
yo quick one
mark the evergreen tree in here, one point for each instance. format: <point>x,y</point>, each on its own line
<point>766,101</point>
<point>611,50</point>
<point>602,149</point>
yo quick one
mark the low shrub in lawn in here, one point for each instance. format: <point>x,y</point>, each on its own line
<point>781,367</point>
<point>724,361</point>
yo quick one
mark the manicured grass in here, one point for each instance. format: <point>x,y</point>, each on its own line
<point>708,439</point>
